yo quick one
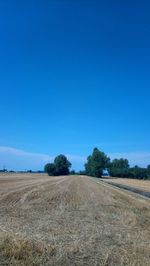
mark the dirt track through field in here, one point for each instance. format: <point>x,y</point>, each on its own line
<point>140,192</point>
<point>86,223</point>
<point>143,185</point>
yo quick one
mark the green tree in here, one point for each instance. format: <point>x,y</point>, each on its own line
<point>73,172</point>
<point>148,171</point>
<point>96,163</point>
<point>119,168</point>
<point>138,172</point>
<point>50,169</point>
<point>62,165</point>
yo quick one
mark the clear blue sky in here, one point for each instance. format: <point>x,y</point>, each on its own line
<point>74,75</point>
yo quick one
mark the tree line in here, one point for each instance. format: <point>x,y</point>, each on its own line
<point>96,163</point>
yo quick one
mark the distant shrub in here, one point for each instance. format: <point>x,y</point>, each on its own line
<point>72,172</point>
<point>138,172</point>
<point>82,173</point>
<point>29,171</point>
<point>119,168</point>
<point>60,166</point>
<point>50,169</point>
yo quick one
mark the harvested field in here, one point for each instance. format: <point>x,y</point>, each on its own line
<point>139,184</point>
<point>70,220</point>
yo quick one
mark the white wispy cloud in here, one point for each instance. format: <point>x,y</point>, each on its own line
<point>17,159</point>
<point>17,152</point>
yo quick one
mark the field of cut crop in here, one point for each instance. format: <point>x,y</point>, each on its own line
<point>140,184</point>
<point>71,220</point>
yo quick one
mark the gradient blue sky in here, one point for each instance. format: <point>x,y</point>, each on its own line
<point>74,75</point>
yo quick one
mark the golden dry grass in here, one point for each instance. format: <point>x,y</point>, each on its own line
<point>140,184</point>
<point>71,221</point>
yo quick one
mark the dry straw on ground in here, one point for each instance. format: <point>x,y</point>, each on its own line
<point>71,221</point>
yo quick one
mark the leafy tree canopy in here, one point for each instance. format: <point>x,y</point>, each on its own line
<point>50,169</point>
<point>96,163</point>
<point>119,167</point>
<point>60,166</point>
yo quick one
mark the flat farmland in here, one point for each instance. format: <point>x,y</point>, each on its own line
<point>139,184</point>
<point>71,220</point>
